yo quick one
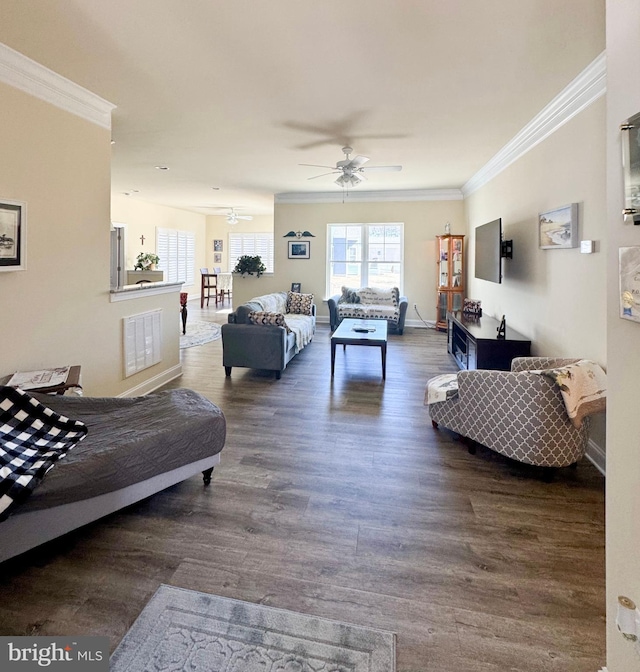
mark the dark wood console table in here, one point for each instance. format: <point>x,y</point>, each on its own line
<point>472,342</point>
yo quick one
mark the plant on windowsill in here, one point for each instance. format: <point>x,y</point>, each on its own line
<point>248,265</point>
<point>146,261</point>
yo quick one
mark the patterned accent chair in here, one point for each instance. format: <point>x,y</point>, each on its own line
<point>517,413</point>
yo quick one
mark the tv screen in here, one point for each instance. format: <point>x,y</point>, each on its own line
<point>488,251</point>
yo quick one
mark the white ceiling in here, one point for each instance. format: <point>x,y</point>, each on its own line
<point>236,94</point>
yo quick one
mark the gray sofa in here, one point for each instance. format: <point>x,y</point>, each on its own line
<point>260,346</point>
<point>371,304</point>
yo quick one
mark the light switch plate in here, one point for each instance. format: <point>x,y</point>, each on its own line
<point>586,246</point>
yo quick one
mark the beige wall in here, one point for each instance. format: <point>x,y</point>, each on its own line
<point>423,220</point>
<point>623,461</point>
<point>218,229</point>
<point>58,312</point>
<point>142,219</point>
<point>555,297</point>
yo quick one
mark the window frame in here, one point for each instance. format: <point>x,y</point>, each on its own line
<point>364,252</point>
<point>257,235</point>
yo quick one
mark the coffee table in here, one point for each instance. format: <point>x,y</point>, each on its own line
<point>346,334</point>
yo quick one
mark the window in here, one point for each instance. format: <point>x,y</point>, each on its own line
<point>177,251</point>
<point>252,244</point>
<point>364,255</point>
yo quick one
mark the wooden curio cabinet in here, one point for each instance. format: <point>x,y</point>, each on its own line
<point>450,250</point>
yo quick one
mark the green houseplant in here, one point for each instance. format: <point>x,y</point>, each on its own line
<point>146,261</point>
<point>248,265</point>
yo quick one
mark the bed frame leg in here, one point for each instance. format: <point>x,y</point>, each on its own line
<point>206,475</point>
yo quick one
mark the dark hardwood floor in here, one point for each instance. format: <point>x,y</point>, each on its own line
<point>337,498</point>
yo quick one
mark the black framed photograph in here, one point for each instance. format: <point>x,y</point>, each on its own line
<point>217,246</point>
<point>13,235</point>
<point>299,249</point>
<point>296,287</point>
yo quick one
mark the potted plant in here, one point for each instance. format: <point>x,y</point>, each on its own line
<point>146,261</point>
<point>248,265</point>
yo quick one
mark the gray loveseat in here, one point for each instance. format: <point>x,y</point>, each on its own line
<point>369,303</point>
<point>265,346</point>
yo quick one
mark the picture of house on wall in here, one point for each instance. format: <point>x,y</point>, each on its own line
<point>559,228</point>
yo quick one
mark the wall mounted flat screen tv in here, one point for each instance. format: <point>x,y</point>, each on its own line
<point>489,251</point>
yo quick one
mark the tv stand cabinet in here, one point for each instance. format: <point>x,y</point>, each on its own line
<point>472,342</point>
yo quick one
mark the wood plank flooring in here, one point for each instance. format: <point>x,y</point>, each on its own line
<point>337,498</point>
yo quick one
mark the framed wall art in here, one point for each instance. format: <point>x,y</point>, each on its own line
<point>299,249</point>
<point>217,258</point>
<point>217,246</point>
<point>558,228</point>
<point>631,168</point>
<point>13,235</point>
<point>630,283</point>
<point>296,287</point>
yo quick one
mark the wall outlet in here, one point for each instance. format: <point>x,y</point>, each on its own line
<point>415,306</point>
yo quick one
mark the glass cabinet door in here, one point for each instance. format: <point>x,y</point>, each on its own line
<point>443,262</point>
<point>456,262</point>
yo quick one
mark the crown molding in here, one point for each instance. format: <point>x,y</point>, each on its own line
<point>23,73</point>
<point>585,89</point>
<point>356,196</point>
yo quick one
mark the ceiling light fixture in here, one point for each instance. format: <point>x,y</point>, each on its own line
<point>162,167</point>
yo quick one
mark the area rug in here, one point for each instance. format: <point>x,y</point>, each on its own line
<point>186,630</point>
<point>199,333</point>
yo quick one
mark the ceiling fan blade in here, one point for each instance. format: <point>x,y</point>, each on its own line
<point>247,217</point>
<point>382,169</point>
<point>358,161</point>
<point>315,165</point>
<point>333,172</point>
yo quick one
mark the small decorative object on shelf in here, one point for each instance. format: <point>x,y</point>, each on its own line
<point>502,329</point>
<point>472,307</point>
<point>447,228</point>
<point>146,261</point>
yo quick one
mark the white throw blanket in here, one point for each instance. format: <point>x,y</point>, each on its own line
<point>302,327</point>
<point>272,303</point>
<point>441,388</point>
<point>583,386</point>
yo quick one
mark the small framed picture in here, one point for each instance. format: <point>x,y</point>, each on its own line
<point>299,249</point>
<point>217,258</point>
<point>295,287</point>
<point>558,229</point>
<point>13,235</point>
<point>217,246</point>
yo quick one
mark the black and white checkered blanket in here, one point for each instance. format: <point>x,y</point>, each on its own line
<point>32,439</point>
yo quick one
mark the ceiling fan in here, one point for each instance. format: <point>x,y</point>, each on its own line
<point>351,171</point>
<point>233,218</point>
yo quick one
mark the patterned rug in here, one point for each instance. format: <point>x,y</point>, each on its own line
<point>199,333</point>
<point>186,630</point>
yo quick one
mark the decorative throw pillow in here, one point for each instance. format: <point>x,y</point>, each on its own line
<point>32,439</point>
<point>300,304</point>
<point>349,295</point>
<point>273,319</point>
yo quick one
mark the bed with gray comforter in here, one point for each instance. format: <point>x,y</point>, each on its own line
<point>134,448</point>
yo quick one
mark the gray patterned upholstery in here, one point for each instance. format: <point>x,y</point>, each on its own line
<point>517,413</point>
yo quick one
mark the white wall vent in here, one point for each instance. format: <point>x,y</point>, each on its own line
<point>142,341</point>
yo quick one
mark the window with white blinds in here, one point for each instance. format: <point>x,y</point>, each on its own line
<point>177,251</point>
<point>252,244</point>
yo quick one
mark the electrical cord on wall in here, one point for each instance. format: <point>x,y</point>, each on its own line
<point>428,325</point>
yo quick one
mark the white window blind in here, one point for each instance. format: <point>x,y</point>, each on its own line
<point>177,251</point>
<point>252,244</point>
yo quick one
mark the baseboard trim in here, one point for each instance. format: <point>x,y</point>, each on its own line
<point>153,383</point>
<point>597,457</point>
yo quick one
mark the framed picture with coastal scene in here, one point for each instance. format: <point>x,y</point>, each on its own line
<point>13,235</point>
<point>558,228</point>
